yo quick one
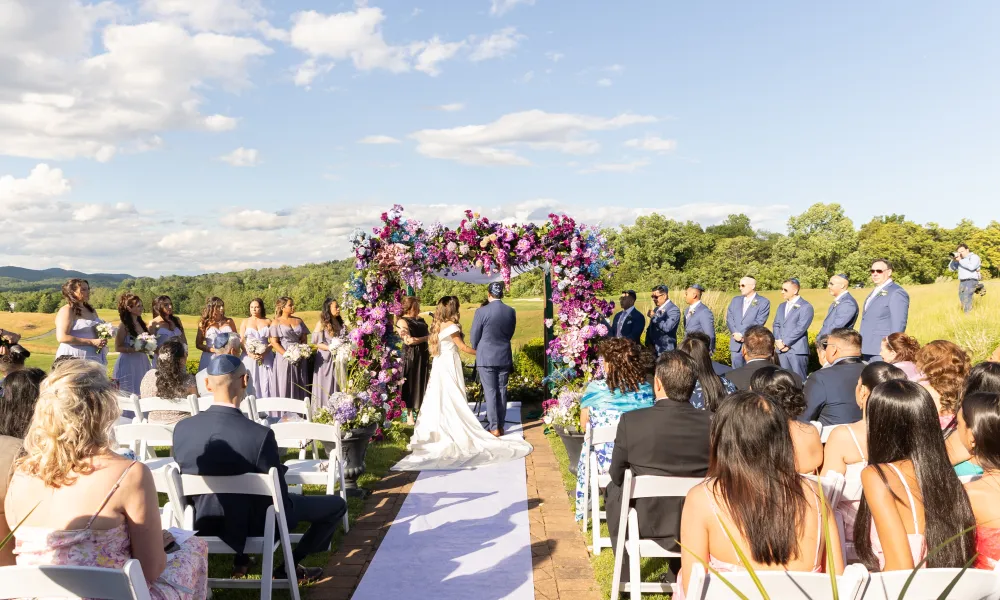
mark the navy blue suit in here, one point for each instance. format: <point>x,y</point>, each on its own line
<point>886,313</point>
<point>738,322</point>
<point>631,328</point>
<point>843,312</point>
<point>701,320</point>
<point>662,333</point>
<point>492,329</point>
<point>830,393</point>
<point>793,331</point>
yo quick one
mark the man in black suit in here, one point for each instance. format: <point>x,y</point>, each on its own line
<point>222,441</point>
<point>758,352</point>
<point>628,323</point>
<point>830,391</point>
<point>669,438</point>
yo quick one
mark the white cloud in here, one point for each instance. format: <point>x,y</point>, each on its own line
<point>417,11</point>
<point>619,167</point>
<point>604,82</point>
<point>499,44</point>
<point>354,35</point>
<point>43,182</point>
<point>208,15</point>
<point>242,157</point>
<point>309,70</point>
<point>555,56</point>
<point>432,52</point>
<point>494,143</point>
<point>653,144</point>
<point>453,107</point>
<point>255,220</point>
<point>499,7</point>
<point>378,139</point>
<point>614,68</point>
<point>219,123</point>
<point>527,77</point>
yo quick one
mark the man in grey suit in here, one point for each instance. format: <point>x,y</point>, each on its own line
<point>492,329</point>
<point>745,311</point>
<point>830,391</point>
<point>885,310</point>
<point>628,323</point>
<point>663,321</point>
<point>698,317</point>
<point>791,329</point>
<point>843,311</point>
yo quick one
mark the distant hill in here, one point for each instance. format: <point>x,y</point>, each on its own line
<point>21,279</point>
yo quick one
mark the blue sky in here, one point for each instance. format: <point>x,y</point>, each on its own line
<point>168,136</point>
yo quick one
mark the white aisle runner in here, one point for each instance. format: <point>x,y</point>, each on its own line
<point>459,535</point>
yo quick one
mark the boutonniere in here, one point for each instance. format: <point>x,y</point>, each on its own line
<point>883,293</point>
<point>836,304</point>
<point>794,306</point>
<point>753,302</point>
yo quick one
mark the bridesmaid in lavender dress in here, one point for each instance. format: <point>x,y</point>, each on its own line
<point>76,324</point>
<point>132,364</point>
<point>165,324</point>
<point>330,327</point>
<point>213,322</point>
<point>260,367</point>
<point>291,381</point>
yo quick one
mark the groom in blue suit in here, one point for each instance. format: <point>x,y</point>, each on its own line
<point>843,311</point>
<point>745,311</point>
<point>791,329</point>
<point>886,310</point>
<point>492,329</point>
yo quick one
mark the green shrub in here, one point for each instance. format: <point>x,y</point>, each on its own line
<point>722,354</point>
<point>193,366</point>
<point>529,360</point>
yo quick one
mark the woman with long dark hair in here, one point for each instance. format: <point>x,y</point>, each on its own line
<point>17,405</point>
<point>12,359</point>
<point>979,431</point>
<point>414,332</point>
<point>165,325</point>
<point>292,380</point>
<point>711,389</point>
<point>330,332</point>
<point>984,377</point>
<point>780,386</point>
<point>259,366</point>
<point>213,322</point>
<point>76,324</point>
<point>912,499</point>
<point>753,488</point>
<point>170,381</point>
<point>132,364</point>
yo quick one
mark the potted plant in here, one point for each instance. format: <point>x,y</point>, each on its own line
<point>563,413</point>
<point>359,417</point>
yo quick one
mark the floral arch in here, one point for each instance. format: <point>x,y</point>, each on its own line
<point>401,251</point>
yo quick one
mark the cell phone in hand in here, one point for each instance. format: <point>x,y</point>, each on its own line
<point>172,547</point>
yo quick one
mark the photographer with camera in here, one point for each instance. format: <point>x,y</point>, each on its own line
<point>967,265</point>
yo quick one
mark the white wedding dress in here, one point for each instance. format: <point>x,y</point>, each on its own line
<point>448,435</point>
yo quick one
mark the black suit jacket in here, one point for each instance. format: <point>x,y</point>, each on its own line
<point>830,393</point>
<point>669,438</point>
<point>222,441</point>
<point>741,376</point>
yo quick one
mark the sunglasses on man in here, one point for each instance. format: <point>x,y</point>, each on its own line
<point>879,271</point>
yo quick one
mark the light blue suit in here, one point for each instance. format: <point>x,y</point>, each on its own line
<point>492,329</point>
<point>661,335</point>
<point>842,313</point>
<point>886,313</point>
<point>738,322</point>
<point>793,331</point>
<point>702,320</point>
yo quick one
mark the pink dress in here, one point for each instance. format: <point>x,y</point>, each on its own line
<point>185,578</point>
<point>988,547</point>
<point>917,542</point>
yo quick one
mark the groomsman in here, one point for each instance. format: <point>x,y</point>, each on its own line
<point>843,311</point>
<point>663,320</point>
<point>745,311</point>
<point>885,310</point>
<point>791,329</point>
<point>698,317</point>
<point>629,322</point>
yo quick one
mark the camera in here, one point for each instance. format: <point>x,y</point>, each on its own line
<point>953,254</point>
<point>980,289</point>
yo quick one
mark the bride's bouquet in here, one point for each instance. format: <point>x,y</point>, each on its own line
<point>145,342</point>
<point>258,347</point>
<point>296,353</point>
<point>106,331</point>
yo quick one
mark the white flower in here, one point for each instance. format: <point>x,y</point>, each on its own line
<point>364,419</point>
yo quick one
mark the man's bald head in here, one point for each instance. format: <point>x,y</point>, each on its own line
<point>748,285</point>
<point>227,379</point>
<point>837,285</point>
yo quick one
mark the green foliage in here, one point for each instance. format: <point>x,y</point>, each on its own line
<point>529,360</point>
<point>192,366</point>
<point>722,353</point>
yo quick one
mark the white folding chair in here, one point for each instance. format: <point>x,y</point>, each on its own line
<point>126,583</point>
<point>247,406</point>
<point>309,471</point>
<point>594,482</point>
<point>825,432</point>
<point>141,438</point>
<point>928,584</point>
<point>144,406</point>
<point>127,403</point>
<point>302,408</point>
<point>818,426</point>
<point>833,487</point>
<point>779,584</point>
<point>182,487</point>
<point>633,488</point>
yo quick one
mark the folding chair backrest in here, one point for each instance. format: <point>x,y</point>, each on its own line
<point>246,406</point>
<point>603,435</point>
<point>824,434</point>
<point>126,402</point>
<point>290,434</point>
<point>818,426</point>
<point>126,583</point>
<point>833,487</point>
<point>143,432</point>
<point>975,584</point>
<point>653,486</point>
<point>779,584</point>
<point>148,405</point>
<point>292,405</point>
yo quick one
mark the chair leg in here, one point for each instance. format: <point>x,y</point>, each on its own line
<point>635,574</point>
<point>586,493</point>
<point>267,562</point>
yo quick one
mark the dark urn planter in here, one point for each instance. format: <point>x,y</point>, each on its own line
<point>355,448</point>
<point>573,441</point>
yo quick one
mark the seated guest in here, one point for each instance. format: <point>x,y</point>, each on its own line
<point>901,350</point>
<point>758,352</point>
<point>830,391</point>
<point>944,366</point>
<point>821,350</point>
<point>772,511</point>
<point>17,405</point>
<point>779,385</point>
<point>979,431</point>
<point>12,359</point>
<point>224,343</point>
<point>83,505</point>
<point>983,378</point>
<point>671,438</point>
<point>847,446</point>
<point>623,388</point>
<point>221,441</point>
<point>912,500</point>
<point>711,388</point>
<point>170,381</point>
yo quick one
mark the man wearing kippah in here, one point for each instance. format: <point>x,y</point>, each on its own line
<point>791,329</point>
<point>698,317</point>
<point>843,311</point>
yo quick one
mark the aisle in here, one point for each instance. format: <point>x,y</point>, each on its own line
<point>459,535</point>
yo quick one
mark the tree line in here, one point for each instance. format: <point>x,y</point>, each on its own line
<point>820,242</point>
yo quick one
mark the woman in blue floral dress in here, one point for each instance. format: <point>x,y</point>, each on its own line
<point>623,388</point>
<point>710,389</point>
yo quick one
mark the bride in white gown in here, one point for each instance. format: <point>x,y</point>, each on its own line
<point>447,434</point>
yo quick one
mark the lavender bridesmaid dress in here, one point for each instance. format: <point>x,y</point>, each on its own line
<point>130,368</point>
<point>324,369</point>
<point>261,375</point>
<point>84,329</point>
<point>291,381</point>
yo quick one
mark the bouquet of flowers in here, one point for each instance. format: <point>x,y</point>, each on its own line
<point>145,342</point>
<point>353,412</point>
<point>296,353</point>
<point>258,347</point>
<point>563,410</point>
<point>340,350</point>
<point>106,331</point>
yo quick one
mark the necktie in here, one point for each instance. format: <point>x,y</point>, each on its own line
<point>746,305</point>
<point>870,298</point>
<point>621,321</point>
